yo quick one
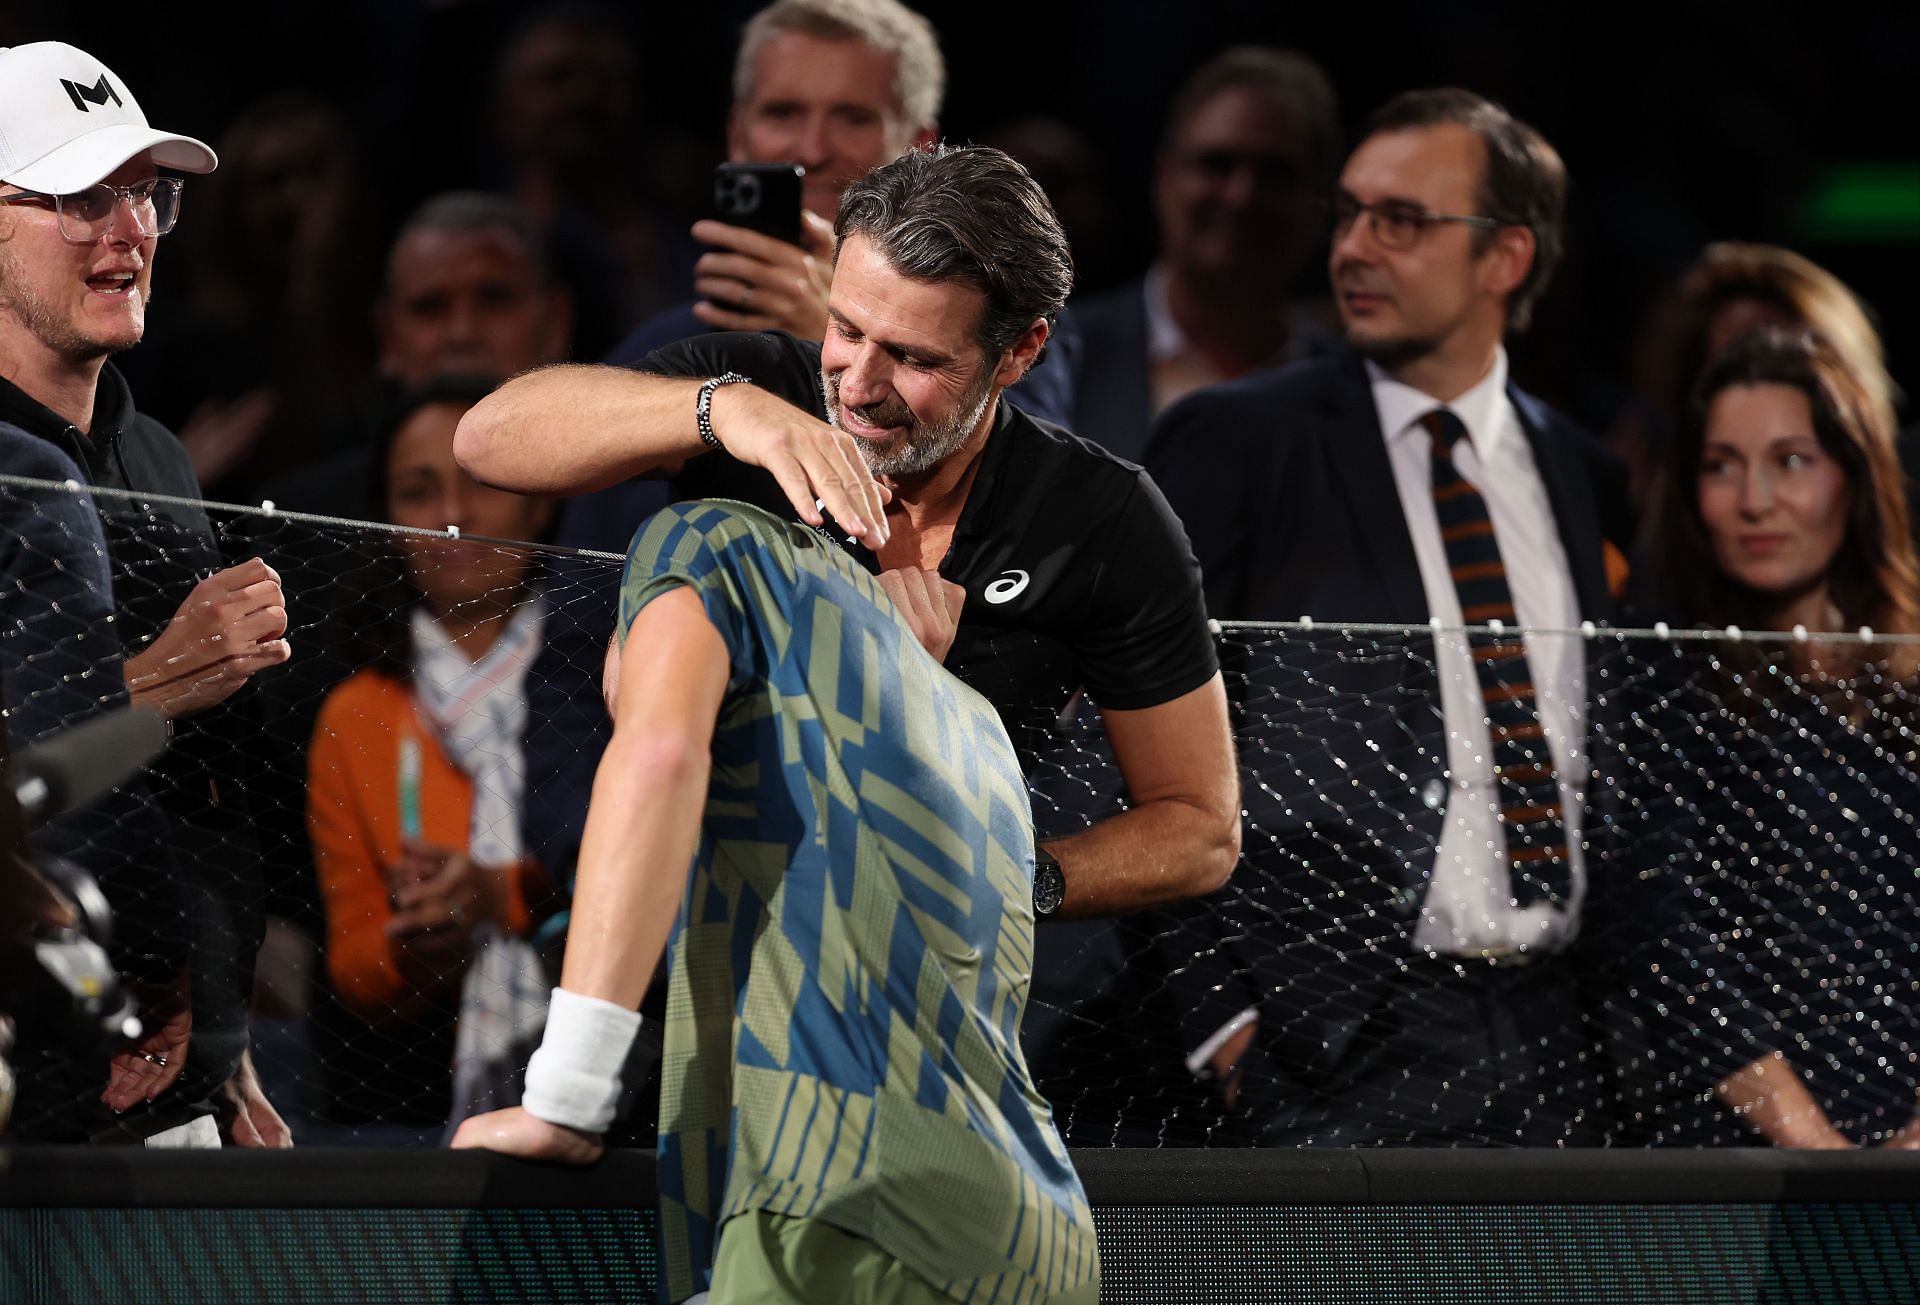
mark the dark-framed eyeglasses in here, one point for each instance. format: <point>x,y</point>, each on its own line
<point>85,215</point>
<point>1398,224</point>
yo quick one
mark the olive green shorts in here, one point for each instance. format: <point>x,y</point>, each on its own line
<point>773,1259</point>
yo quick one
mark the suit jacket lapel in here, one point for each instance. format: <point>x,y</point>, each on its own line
<point>1357,451</point>
<point>1572,500</point>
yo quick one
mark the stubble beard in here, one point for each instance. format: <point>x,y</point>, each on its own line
<point>1393,353</point>
<point>45,324</point>
<point>922,446</point>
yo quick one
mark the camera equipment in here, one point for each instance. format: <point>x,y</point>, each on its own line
<point>77,765</point>
<point>57,984</point>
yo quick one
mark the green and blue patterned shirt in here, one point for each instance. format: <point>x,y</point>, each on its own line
<point>852,958</point>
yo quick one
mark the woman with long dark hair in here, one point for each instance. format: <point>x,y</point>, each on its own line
<point>415,781</point>
<point>1771,787</point>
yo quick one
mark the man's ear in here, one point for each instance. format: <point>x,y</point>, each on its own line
<point>1508,260</point>
<point>1018,359</point>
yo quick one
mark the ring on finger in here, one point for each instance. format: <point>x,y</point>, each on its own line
<point>746,298</point>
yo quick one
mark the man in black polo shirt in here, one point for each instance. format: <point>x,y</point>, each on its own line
<point>1032,562</point>
<point>82,208</point>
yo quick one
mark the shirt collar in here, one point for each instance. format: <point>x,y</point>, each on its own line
<point>1401,406</point>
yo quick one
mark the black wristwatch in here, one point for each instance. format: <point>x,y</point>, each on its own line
<point>1049,885</point>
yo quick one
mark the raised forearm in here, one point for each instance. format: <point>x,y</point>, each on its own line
<point>575,428</point>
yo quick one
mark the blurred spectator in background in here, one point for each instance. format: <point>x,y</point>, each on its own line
<point>469,289</point>
<point>470,286</point>
<point>565,92</point>
<point>415,777</point>
<point>1769,842</point>
<point>1251,145</point>
<point>1730,290</point>
<point>1062,160</point>
<point>258,373</point>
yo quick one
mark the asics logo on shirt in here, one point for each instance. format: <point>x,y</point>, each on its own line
<point>1008,587</point>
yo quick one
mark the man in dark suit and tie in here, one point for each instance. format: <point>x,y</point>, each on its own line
<point>1398,956</point>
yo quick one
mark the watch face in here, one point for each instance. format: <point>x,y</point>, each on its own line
<point>1049,885</point>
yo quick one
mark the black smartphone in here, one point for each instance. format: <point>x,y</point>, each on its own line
<point>763,197</point>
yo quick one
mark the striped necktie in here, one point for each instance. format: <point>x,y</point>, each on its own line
<point>1530,809</point>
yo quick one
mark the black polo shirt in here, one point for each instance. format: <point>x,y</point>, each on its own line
<point>1078,575</point>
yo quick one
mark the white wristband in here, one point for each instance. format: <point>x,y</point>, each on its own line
<point>574,1078</point>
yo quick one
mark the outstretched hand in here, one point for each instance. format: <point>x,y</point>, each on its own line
<point>153,1064</point>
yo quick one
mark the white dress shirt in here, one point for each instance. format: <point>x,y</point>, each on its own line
<point>1469,907</point>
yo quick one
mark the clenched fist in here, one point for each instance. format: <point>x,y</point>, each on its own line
<point>231,626</point>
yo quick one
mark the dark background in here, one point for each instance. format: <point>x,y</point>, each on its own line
<point>1680,125</point>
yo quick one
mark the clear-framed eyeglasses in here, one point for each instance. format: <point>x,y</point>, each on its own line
<point>86,215</point>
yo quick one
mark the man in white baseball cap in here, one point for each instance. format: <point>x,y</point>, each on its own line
<point>83,204</point>
<point>70,122</point>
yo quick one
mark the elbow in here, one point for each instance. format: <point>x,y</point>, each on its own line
<point>1220,853</point>
<point>1200,858</point>
<point>653,761</point>
<point>474,439</point>
<point>479,441</point>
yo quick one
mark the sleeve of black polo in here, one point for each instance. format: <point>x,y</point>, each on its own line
<point>772,360</point>
<point>1146,640</point>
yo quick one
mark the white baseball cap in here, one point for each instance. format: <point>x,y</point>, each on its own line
<point>66,122</point>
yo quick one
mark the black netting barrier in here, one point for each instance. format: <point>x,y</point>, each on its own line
<point>394,811</point>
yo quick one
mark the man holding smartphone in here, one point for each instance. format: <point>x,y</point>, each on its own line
<point>837,87</point>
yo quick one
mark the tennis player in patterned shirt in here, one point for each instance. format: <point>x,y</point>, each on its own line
<point>833,835</point>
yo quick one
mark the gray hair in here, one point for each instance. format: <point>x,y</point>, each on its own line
<point>474,212</point>
<point>919,72</point>
<point>970,214</point>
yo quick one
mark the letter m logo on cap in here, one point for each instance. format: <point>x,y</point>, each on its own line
<point>98,93</point>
